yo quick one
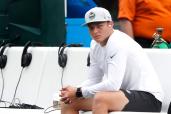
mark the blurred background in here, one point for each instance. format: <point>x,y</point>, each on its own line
<point>49,22</point>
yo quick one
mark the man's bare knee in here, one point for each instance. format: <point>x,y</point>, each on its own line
<point>99,98</point>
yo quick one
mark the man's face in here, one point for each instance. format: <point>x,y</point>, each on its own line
<point>100,31</point>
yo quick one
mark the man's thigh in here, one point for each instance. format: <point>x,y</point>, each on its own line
<point>115,101</point>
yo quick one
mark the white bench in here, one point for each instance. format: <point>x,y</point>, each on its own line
<point>42,78</point>
<point>76,70</point>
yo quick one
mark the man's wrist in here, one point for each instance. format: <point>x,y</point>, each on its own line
<point>78,93</point>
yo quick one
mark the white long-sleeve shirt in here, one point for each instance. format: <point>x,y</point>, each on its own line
<point>120,64</point>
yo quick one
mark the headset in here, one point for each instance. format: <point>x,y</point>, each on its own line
<point>3,58</point>
<point>26,57</point>
<point>62,57</point>
<point>25,61</point>
<point>3,61</point>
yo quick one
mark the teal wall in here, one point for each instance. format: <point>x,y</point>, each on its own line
<point>3,19</point>
<point>53,21</point>
<point>36,20</point>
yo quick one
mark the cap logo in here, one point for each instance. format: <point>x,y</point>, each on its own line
<point>91,15</point>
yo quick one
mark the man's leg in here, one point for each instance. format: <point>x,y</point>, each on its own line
<point>76,105</point>
<point>109,101</point>
<point>100,104</point>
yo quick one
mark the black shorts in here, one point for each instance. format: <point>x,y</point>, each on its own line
<point>141,101</point>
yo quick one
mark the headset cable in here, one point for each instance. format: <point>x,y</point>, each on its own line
<point>13,99</point>
<point>2,91</point>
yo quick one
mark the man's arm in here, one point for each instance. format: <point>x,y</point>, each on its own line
<point>126,27</point>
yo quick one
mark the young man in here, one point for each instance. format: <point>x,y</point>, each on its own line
<point>121,76</point>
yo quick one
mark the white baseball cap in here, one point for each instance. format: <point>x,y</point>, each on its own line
<point>97,14</point>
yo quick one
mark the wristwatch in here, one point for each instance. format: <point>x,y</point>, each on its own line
<point>79,92</point>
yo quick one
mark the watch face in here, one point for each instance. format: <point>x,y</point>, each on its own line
<point>79,92</point>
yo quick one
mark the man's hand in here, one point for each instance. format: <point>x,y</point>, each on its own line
<point>68,94</point>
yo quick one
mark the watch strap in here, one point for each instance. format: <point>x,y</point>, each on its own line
<point>79,92</point>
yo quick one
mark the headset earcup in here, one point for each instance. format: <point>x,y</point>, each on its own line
<point>62,60</point>
<point>26,59</point>
<point>3,61</point>
<point>169,109</point>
